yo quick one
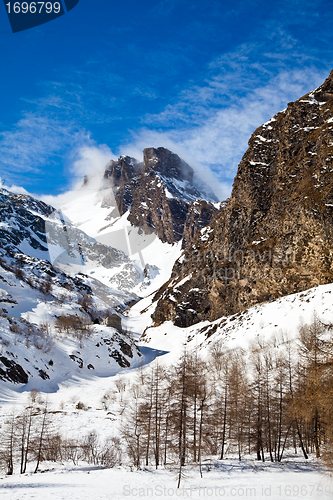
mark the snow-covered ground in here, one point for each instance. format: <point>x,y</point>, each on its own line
<point>78,408</point>
<point>273,322</point>
<point>227,479</point>
<point>85,399</point>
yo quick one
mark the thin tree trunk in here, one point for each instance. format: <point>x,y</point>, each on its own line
<point>40,448</point>
<point>316,434</point>
<point>10,462</point>
<point>200,436</point>
<point>280,422</point>
<point>23,443</point>
<point>300,439</point>
<point>182,425</point>
<point>284,443</point>
<point>157,433</point>
<point>27,447</point>
<point>224,422</point>
<point>166,437</point>
<point>269,426</point>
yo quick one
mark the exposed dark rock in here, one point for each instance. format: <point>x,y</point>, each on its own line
<point>200,213</point>
<point>113,321</point>
<point>120,175</point>
<point>77,359</point>
<point>121,360</point>
<point>274,236</point>
<point>158,194</point>
<point>167,164</point>
<point>28,226</point>
<point>13,372</point>
<point>43,375</point>
<point>126,349</point>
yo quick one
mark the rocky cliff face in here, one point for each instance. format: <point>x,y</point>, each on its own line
<point>274,236</point>
<point>22,218</point>
<point>160,193</point>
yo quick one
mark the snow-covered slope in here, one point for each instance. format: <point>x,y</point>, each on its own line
<point>37,230</point>
<point>49,330</point>
<point>149,260</point>
<point>272,322</point>
<point>50,319</point>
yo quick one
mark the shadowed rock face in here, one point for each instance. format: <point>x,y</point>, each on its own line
<point>113,321</point>
<point>160,194</point>
<point>274,236</point>
<point>166,163</point>
<point>28,225</point>
<point>12,372</point>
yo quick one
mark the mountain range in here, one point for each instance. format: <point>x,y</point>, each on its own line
<point>154,247</point>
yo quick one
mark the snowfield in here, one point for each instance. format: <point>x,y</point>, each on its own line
<point>293,478</point>
<point>228,479</point>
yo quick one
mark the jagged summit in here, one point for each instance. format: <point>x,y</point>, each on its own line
<point>274,236</point>
<point>324,93</point>
<point>166,163</point>
<point>158,193</point>
<point>121,172</point>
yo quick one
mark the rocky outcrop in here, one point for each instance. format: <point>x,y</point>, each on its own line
<point>12,372</point>
<point>29,222</point>
<point>113,321</point>
<point>167,164</point>
<point>159,194</point>
<point>274,236</point>
<point>199,214</point>
<point>120,175</point>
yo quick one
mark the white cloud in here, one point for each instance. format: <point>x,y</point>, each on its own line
<point>87,160</point>
<point>91,161</point>
<point>32,140</point>
<point>35,145</point>
<point>13,188</point>
<point>210,125</point>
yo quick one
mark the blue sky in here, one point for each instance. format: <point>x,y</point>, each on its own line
<point>115,77</point>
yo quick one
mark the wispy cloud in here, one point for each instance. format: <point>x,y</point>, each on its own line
<point>35,142</point>
<point>89,161</point>
<point>210,123</point>
<point>13,188</point>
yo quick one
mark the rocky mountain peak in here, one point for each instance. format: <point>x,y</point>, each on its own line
<point>325,91</point>
<point>274,237</point>
<point>166,163</point>
<point>159,194</point>
<point>122,171</point>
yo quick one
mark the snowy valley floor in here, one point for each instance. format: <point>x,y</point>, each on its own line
<point>228,479</point>
<point>78,408</point>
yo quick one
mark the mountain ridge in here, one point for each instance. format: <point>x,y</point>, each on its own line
<point>274,236</point>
